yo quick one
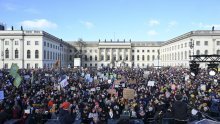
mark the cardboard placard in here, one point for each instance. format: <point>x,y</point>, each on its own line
<point>132,81</point>
<point>128,93</point>
<point>111,91</point>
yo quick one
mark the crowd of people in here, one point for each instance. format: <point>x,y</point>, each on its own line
<point>85,98</point>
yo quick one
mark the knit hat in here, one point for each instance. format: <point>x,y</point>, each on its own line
<point>65,105</point>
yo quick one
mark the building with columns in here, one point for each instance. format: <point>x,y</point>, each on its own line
<point>33,49</point>
<point>39,49</point>
<point>174,52</point>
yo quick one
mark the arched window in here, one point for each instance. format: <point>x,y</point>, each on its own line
<point>142,57</point>
<point>37,54</point>
<point>206,52</point>
<point>153,57</point>
<point>175,56</point>
<point>28,54</point>
<point>6,53</point>
<point>197,52</point>
<point>148,58</point>
<point>16,54</point>
<point>102,57</point>
<point>90,58</point>
<point>95,58</point>
<point>178,56</point>
<point>85,57</point>
<point>181,55</point>
<point>185,54</point>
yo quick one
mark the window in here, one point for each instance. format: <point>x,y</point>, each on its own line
<point>120,57</point>
<point>85,65</point>
<point>218,42</point>
<point>132,51</point>
<point>206,52</point>
<point>114,57</point>
<point>51,45</point>
<point>28,65</point>
<point>197,43</point>
<point>132,57</point>
<point>28,42</point>
<point>148,51</point>
<point>85,51</point>
<point>148,58</point>
<point>206,43</point>
<point>16,54</point>
<point>138,51</point>
<point>90,58</point>
<point>185,44</point>
<point>181,45</point>
<point>218,52</point>
<point>6,65</point>
<point>48,55</point>
<point>185,54</point>
<point>142,51</point>
<point>7,53</point>
<point>36,54</point>
<point>143,57</point>
<point>197,52</point>
<point>36,42</point>
<point>36,65</point>
<point>153,51</point>
<point>108,57</point>
<point>126,58</point>
<point>48,45</point>
<point>95,51</point>
<point>95,65</point>
<point>90,51</point>
<point>45,43</point>
<point>153,57</point>
<point>142,64</point>
<point>45,53</point>
<point>95,58</point>
<point>102,57</point>
<point>6,42</point>
<point>16,42</point>
<point>137,57</point>
<point>28,54</point>
<point>91,65</point>
<point>51,55</point>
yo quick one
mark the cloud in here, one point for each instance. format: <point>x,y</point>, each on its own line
<point>38,24</point>
<point>207,26</point>
<point>152,33</point>
<point>87,24</point>
<point>153,22</point>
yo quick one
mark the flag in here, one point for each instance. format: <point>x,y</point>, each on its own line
<point>56,64</point>
<point>17,80</point>
<point>13,70</point>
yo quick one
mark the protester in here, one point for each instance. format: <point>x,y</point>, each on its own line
<point>84,95</point>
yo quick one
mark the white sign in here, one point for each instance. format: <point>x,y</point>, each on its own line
<point>151,83</point>
<point>27,111</point>
<point>203,87</point>
<point>64,82</point>
<point>77,62</point>
<point>2,95</point>
<point>109,81</point>
<point>97,88</point>
<point>93,89</point>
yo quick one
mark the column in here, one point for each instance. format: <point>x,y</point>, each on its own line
<point>12,50</point>
<point>99,54</point>
<point>105,56</point>
<point>214,43</point>
<point>111,57</point>
<point>21,52</point>
<point>117,54</point>
<point>129,55</point>
<point>123,54</point>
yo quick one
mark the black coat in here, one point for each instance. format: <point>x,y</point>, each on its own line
<point>179,110</point>
<point>65,117</point>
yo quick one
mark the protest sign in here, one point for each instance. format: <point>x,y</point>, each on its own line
<point>27,111</point>
<point>72,88</point>
<point>93,89</point>
<point>151,83</point>
<point>132,81</point>
<point>13,70</point>
<point>128,93</point>
<point>97,88</point>
<point>111,91</point>
<point>64,82</point>
<point>17,80</point>
<point>2,95</point>
<point>203,87</point>
<point>109,81</point>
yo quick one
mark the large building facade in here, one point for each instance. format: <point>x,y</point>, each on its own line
<point>39,49</point>
<point>33,49</point>
<point>174,52</point>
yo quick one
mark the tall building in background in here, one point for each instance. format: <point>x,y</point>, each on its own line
<point>33,49</point>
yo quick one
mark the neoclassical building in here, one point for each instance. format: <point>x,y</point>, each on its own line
<point>39,49</point>
<point>174,52</point>
<point>33,49</point>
